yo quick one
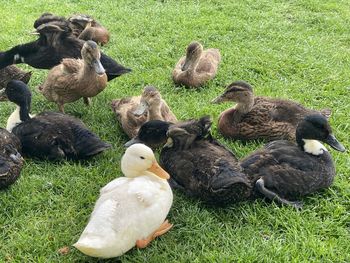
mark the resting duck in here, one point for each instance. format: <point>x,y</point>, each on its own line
<point>11,161</point>
<point>88,28</point>
<point>197,67</point>
<point>201,167</point>
<point>49,135</point>
<point>76,78</point>
<point>12,72</point>
<point>56,42</point>
<point>83,26</point>
<point>132,112</point>
<point>131,210</point>
<point>259,117</point>
<point>151,133</point>
<point>282,170</point>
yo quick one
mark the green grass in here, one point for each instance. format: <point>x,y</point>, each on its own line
<point>289,49</point>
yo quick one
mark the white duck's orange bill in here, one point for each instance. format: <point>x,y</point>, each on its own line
<point>159,171</point>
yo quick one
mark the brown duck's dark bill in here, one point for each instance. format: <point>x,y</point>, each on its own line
<point>132,141</point>
<point>217,100</point>
<point>98,67</point>
<point>333,142</point>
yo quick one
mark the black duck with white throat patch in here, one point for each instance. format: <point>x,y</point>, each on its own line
<point>284,171</point>
<point>50,135</point>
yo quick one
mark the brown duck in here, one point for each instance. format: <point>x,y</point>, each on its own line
<point>197,67</point>
<point>76,78</point>
<point>13,73</point>
<point>132,112</point>
<point>259,117</point>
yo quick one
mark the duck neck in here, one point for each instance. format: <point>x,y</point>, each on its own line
<point>20,114</point>
<point>190,64</point>
<point>154,112</point>
<point>243,107</point>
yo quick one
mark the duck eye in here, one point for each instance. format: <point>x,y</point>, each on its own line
<point>142,157</point>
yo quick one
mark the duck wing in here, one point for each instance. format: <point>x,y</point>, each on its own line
<point>56,136</point>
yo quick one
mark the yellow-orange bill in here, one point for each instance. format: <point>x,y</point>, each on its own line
<point>159,171</point>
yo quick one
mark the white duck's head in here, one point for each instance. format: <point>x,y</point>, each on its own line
<point>139,160</point>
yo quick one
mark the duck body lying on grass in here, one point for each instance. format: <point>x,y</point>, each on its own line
<point>132,112</point>
<point>151,133</point>
<point>201,167</point>
<point>11,161</point>
<point>197,67</point>
<point>259,117</point>
<point>56,42</point>
<point>50,135</point>
<point>76,78</point>
<point>283,170</point>
<point>13,73</point>
<point>131,210</point>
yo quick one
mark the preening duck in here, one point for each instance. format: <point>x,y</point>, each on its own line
<point>11,161</point>
<point>56,42</point>
<point>132,112</point>
<point>282,170</point>
<point>202,167</point>
<point>197,67</point>
<point>131,210</point>
<point>259,117</point>
<point>49,135</point>
<point>76,78</point>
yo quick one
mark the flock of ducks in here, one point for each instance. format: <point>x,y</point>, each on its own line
<point>132,210</point>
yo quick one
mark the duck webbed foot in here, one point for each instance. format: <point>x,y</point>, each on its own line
<point>260,186</point>
<point>87,101</point>
<point>165,227</point>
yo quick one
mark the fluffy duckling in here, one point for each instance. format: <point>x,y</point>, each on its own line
<point>76,78</point>
<point>197,67</point>
<point>11,161</point>
<point>151,133</point>
<point>56,42</point>
<point>282,170</point>
<point>259,117</point>
<point>12,72</point>
<point>49,135</point>
<point>131,210</point>
<point>132,112</point>
<point>201,167</point>
<point>88,28</point>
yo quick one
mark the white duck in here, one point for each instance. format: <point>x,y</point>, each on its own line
<point>131,210</point>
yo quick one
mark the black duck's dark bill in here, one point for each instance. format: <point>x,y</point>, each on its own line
<point>333,142</point>
<point>131,142</point>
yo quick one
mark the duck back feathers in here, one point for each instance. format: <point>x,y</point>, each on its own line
<point>55,135</point>
<point>13,73</point>
<point>202,167</point>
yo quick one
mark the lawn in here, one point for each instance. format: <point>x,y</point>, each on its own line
<point>288,49</point>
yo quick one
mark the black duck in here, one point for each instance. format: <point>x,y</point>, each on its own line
<point>282,170</point>
<point>49,135</point>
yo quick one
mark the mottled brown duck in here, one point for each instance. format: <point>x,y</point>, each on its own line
<point>13,73</point>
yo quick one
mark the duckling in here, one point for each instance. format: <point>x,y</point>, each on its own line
<point>76,78</point>
<point>202,167</point>
<point>50,135</point>
<point>56,42</point>
<point>282,170</point>
<point>131,210</point>
<point>12,72</point>
<point>151,133</point>
<point>259,117</point>
<point>132,112</point>
<point>197,67</point>
<point>11,161</point>
<point>88,28</point>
